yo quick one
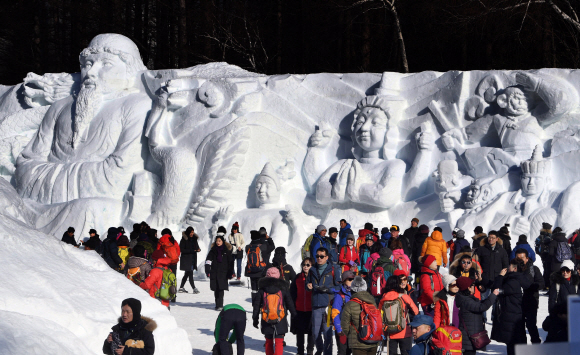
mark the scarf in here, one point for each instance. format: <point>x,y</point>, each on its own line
<point>219,252</point>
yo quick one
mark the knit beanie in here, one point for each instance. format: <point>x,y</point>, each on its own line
<point>460,234</point>
<point>386,252</point>
<point>222,229</point>
<point>522,239</point>
<point>385,230</point>
<point>350,236</point>
<point>135,305</point>
<point>320,228</point>
<point>448,280</point>
<point>416,220</point>
<point>358,285</point>
<point>429,259</point>
<point>424,229</point>
<point>369,226</point>
<point>546,225</point>
<point>254,235</point>
<point>273,272</point>
<point>464,283</point>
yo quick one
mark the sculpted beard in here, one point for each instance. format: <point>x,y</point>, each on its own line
<point>88,103</point>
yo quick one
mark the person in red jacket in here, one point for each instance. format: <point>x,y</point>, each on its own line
<point>430,283</point>
<point>348,257</point>
<point>153,282</point>
<point>362,234</point>
<point>302,298</point>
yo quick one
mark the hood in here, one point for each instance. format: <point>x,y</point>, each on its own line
<point>272,285</point>
<point>186,237</point>
<point>390,296</point>
<point>557,277</point>
<point>483,241</point>
<point>135,261</point>
<point>362,233</point>
<point>427,335</point>
<point>150,324</point>
<point>344,290</point>
<point>436,235</point>
<point>330,240</point>
<point>559,237</point>
<point>478,236</point>
<point>455,264</point>
<point>228,245</point>
<point>365,297</point>
<point>112,233</point>
<point>123,241</point>
<point>442,295</point>
<point>346,227</point>
<point>163,262</point>
<point>384,260</point>
<point>547,231</point>
<point>165,241</point>
<point>386,236</point>
<point>504,236</point>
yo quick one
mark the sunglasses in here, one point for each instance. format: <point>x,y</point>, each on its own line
<point>320,256</point>
<point>307,265</point>
<point>466,262</point>
<point>349,279</point>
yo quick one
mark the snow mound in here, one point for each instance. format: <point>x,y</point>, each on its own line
<point>57,299</point>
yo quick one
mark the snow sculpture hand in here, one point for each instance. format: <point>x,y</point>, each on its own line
<point>447,200</point>
<point>450,137</point>
<point>321,138</point>
<point>529,81</point>
<point>161,219</point>
<point>224,213</point>
<point>355,181</point>
<point>292,215</point>
<point>522,226</point>
<point>46,89</point>
<point>338,191</point>
<point>424,140</point>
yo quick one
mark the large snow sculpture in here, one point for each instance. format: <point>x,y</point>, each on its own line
<point>184,147</point>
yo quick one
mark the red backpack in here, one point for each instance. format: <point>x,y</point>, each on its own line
<point>402,264</point>
<point>370,329</point>
<point>378,282</point>
<point>447,340</point>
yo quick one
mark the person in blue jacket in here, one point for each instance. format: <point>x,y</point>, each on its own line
<point>345,230</point>
<point>385,237</point>
<point>523,244</point>
<point>318,240</point>
<point>322,281</point>
<point>423,327</point>
<point>340,298</point>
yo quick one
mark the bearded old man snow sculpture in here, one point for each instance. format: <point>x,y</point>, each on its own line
<point>88,146</point>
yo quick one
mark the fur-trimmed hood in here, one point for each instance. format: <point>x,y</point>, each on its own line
<point>483,241</point>
<point>186,237</point>
<point>455,264</point>
<point>549,231</point>
<point>228,245</point>
<point>559,237</point>
<point>151,325</point>
<point>479,236</point>
<point>557,277</point>
<point>269,284</point>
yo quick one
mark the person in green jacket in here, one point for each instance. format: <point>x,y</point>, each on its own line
<point>350,318</point>
<point>233,316</point>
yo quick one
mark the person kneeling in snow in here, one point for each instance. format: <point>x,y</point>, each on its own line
<point>153,282</point>
<point>133,334</point>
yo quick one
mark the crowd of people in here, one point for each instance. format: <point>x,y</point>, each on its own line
<point>368,292</point>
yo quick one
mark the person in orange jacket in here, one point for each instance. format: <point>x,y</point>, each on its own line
<point>436,246</point>
<point>171,248</point>
<point>153,282</point>
<point>396,288</point>
<point>430,283</point>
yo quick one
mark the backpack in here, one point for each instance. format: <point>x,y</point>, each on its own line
<point>148,247</point>
<point>255,262</point>
<point>370,329</point>
<point>446,340</point>
<point>394,318</point>
<point>273,309</point>
<point>134,274</point>
<point>378,282</point>
<point>168,287</point>
<point>563,252</point>
<point>364,255</point>
<point>123,253</point>
<point>216,350</point>
<point>402,264</point>
<point>558,290</point>
<point>305,250</point>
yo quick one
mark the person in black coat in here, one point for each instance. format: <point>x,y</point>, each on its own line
<point>504,235</point>
<point>417,247</point>
<point>94,242</point>
<point>491,256</point>
<point>133,334</point>
<point>471,311</point>
<point>188,261</point>
<point>556,324</point>
<point>286,270</point>
<point>68,237</point>
<point>270,287</point>
<point>508,325</point>
<point>266,249</point>
<point>219,267</point>
<point>410,234</point>
<point>265,238</point>
<point>563,283</point>
<point>531,298</point>
<point>557,238</point>
<point>109,249</point>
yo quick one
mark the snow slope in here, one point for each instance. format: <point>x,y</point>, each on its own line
<point>57,299</point>
<point>196,314</point>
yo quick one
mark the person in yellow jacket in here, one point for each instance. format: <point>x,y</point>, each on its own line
<point>436,246</point>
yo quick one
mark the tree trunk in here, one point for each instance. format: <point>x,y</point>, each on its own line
<point>182,35</point>
<point>399,31</point>
<point>279,40</point>
<point>366,50</point>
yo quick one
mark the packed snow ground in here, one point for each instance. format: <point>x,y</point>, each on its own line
<point>196,314</point>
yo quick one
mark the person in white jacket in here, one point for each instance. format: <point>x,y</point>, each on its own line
<point>236,239</point>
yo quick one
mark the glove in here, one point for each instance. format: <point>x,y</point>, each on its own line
<point>256,323</point>
<point>342,338</point>
<point>351,263</point>
<point>323,289</point>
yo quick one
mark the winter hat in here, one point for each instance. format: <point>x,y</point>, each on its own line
<point>464,283</point>
<point>222,229</point>
<point>273,272</point>
<point>263,231</point>
<point>569,264</point>
<point>416,220</point>
<point>347,275</point>
<point>70,230</point>
<point>385,230</point>
<point>386,252</point>
<point>320,228</point>
<point>460,234</point>
<point>424,229</point>
<point>370,237</point>
<point>448,280</point>
<point>123,241</point>
<point>350,236</point>
<point>422,319</point>
<point>135,305</point>
<point>254,235</point>
<point>91,231</point>
<point>112,233</point>
<point>429,259</point>
<point>522,239</point>
<point>478,230</point>
<point>546,225</point>
<point>557,230</point>
<point>358,285</point>
<point>280,250</point>
<point>395,228</point>
<point>369,226</point>
<point>166,231</point>
<point>504,230</point>
<point>332,230</point>
<point>121,230</point>
<point>236,226</point>
<point>399,272</point>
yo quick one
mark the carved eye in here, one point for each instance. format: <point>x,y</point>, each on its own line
<point>108,64</point>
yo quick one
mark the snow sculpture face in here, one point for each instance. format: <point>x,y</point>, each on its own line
<point>532,184</point>
<point>266,190</point>
<point>478,194</point>
<point>104,71</point>
<point>515,101</point>
<point>370,127</point>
